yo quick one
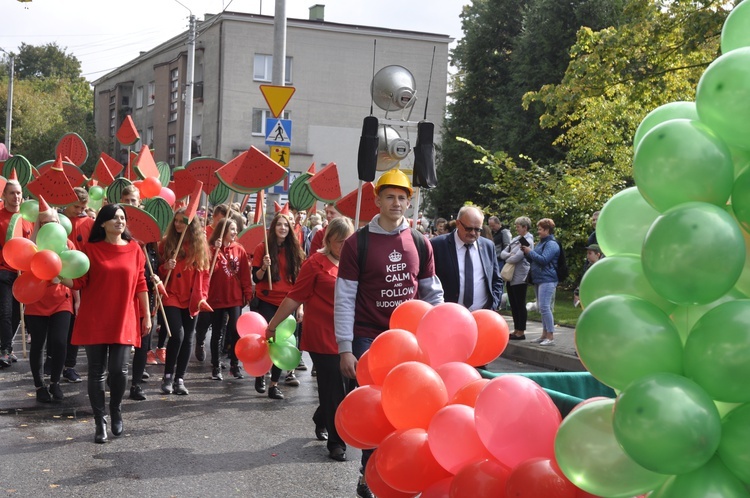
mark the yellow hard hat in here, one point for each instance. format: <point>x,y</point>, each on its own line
<point>394,178</point>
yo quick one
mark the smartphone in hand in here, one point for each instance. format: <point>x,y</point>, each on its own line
<point>524,242</point>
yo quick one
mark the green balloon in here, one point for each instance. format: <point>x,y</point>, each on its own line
<point>681,161</point>
<point>666,112</point>
<point>741,160</point>
<point>685,317</point>
<point>96,193</point>
<point>741,199</point>
<point>286,329</point>
<point>713,479</point>
<point>29,210</point>
<point>622,338</point>
<point>620,275</point>
<point>717,352</point>
<point>723,97</point>
<point>734,448</point>
<point>65,222</point>
<point>736,30</point>
<point>95,204</point>
<point>52,236</point>
<point>693,254</point>
<point>624,222</point>
<point>589,455</point>
<point>667,423</point>
<point>75,264</point>
<point>284,356</point>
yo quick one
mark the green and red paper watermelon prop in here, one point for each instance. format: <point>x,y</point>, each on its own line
<point>21,166</point>
<point>144,164</point>
<point>161,211</point>
<point>128,133</point>
<point>165,172</point>
<point>220,194</point>
<point>183,183</point>
<point>72,147</point>
<point>300,195</point>
<point>53,185</point>
<point>325,185</point>
<point>114,191</point>
<point>76,178</point>
<point>347,205</point>
<point>142,226</point>
<point>251,171</point>
<point>250,237</point>
<point>15,227</point>
<point>204,170</point>
<point>106,170</point>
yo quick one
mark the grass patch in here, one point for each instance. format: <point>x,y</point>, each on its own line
<point>564,312</point>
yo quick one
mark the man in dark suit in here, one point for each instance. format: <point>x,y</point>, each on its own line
<point>464,257</point>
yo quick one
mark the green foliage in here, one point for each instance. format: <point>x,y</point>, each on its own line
<point>46,61</point>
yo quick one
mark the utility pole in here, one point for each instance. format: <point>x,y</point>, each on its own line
<point>279,44</point>
<point>9,113</point>
<point>187,134</point>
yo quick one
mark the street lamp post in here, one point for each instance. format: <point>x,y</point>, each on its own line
<point>9,113</point>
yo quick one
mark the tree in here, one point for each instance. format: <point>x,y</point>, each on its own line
<point>46,61</point>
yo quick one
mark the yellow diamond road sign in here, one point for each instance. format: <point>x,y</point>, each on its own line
<point>280,155</point>
<point>277,97</point>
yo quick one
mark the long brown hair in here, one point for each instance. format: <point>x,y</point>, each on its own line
<point>219,229</point>
<point>194,246</point>
<point>292,249</point>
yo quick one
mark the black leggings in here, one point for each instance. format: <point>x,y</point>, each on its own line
<point>332,388</point>
<point>218,318</point>
<point>267,310</point>
<point>10,310</point>
<point>117,368</point>
<point>517,300</point>
<point>139,357</point>
<point>180,345</point>
<point>54,331</point>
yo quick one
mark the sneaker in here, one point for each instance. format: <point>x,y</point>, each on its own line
<point>145,376</point>
<point>260,384</point>
<point>161,355</point>
<point>301,365</point>
<point>216,374</point>
<point>547,342</point>
<point>70,375</point>
<point>166,385</point>
<point>275,393</point>
<point>291,380</point>
<point>55,391</point>
<point>4,359</point>
<point>236,371</point>
<point>137,394</point>
<point>42,395</point>
<point>179,387</point>
<point>13,358</point>
<point>538,340</point>
<point>363,490</point>
<point>200,352</point>
<point>151,358</point>
<point>314,372</point>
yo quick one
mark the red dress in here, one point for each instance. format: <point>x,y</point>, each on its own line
<point>282,287</point>
<point>81,231</point>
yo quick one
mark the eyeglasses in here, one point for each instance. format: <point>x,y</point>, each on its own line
<point>470,229</point>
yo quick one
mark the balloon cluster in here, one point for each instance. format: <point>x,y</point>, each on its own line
<point>667,312</point>
<point>257,354</point>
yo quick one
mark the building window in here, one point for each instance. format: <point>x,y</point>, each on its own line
<point>139,97</point>
<point>174,84</point>
<point>151,93</point>
<point>111,99</point>
<point>150,136</point>
<point>172,150</point>
<point>263,68</point>
<point>174,96</point>
<point>173,116</point>
<point>173,106</point>
<point>259,120</point>
<point>112,122</point>
<point>172,139</point>
<point>174,74</point>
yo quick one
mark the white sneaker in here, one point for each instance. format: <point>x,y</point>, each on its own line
<point>547,342</point>
<point>538,340</point>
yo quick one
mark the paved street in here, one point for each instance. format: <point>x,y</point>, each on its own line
<point>223,439</point>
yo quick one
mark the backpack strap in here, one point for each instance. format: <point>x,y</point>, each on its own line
<point>421,244</point>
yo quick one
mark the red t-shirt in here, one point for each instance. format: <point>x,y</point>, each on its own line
<point>5,217</point>
<point>389,278</point>
<point>56,298</point>
<point>209,231</point>
<point>314,287</point>
<point>230,283</point>
<point>81,231</point>
<point>282,287</point>
<point>108,295</point>
<point>186,286</point>
<point>317,241</point>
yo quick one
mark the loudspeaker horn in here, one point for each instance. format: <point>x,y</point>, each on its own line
<point>391,148</point>
<point>393,87</point>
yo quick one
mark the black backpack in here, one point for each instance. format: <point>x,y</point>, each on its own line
<point>363,241</point>
<point>562,266</point>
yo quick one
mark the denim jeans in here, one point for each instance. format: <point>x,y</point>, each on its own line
<point>545,294</point>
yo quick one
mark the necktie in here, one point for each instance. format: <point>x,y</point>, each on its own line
<point>468,277</point>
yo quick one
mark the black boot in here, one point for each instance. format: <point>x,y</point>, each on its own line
<point>116,413</point>
<point>101,430</point>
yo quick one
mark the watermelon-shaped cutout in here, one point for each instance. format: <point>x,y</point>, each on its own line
<point>72,146</point>
<point>161,211</point>
<point>325,185</point>
<point>3,183</point>
<point>106,170</point>
<point>76,178</point>
<point>204,170</point>
<point>251,171</point>
<point>250,237</point>
<point>347,205</point>
<point>165,172</point>
<point>192,207</point>
<point>300,195</point>
<point>183,183</point>
<point>220,194</point>
<point>114,191</point>
<point>127,134</point>
<point>142,226</point>
<point>22,167</point>
<point>15,227</point>
<point>144,164</point>
<point>53,185</point>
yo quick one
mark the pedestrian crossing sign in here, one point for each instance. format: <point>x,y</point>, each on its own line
<point>278,131</point>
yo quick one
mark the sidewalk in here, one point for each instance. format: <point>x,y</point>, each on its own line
<point>562,356</point>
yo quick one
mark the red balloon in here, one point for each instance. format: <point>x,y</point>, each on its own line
<point>258,367</point>
<point>453,438</point>
<point>46,264</point>
<point>456,375</point>
<point>412,393</point>
<point>151,187</point>
<point>448,332</point>
<point>251,349</point>
<point>492,337</point>
<point>362,416</point>
<point>139,185</point>
<point>363,370</point>
<point>167,194</point>
<point>467,395</point>
<point>392,347</point>
<point>406,463</point>
<point>486,479</point>
<point>376,483</point>
<point>345,436</point>
<point>408,315</point>
<point>251,323</point>
<point>18,252</point>
<point>28,289</point>
<point>539,477</point>
<point>440,489</point>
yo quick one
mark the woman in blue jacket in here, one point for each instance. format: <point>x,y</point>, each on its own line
<point>543,260</point>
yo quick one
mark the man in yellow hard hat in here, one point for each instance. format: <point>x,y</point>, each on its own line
<point>382,265</point>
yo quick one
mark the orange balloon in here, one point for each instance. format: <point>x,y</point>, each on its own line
<point>492,337</point>
<point>408,314</point>
<point>412,393</point>
<point>376,483</point>
<point>363,418</point>
<point>18,252</point>
<point>151,187</point>
<point>467,395</point>
<point>363,370</point>
<point>392,347</point>
<point>46,264</point>
<point>406,463</point>
<point>28,289</point>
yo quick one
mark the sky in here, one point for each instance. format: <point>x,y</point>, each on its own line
<point>104,36</point>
